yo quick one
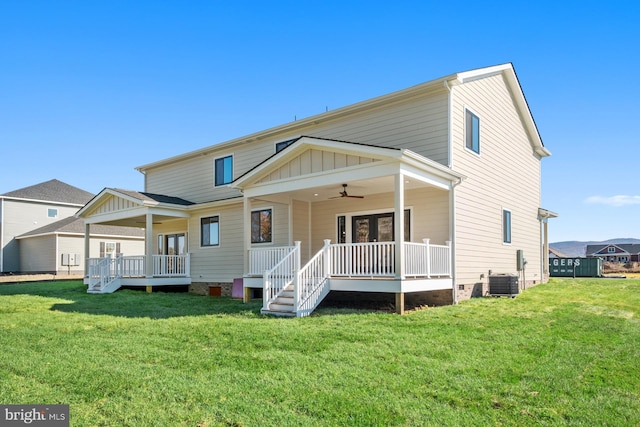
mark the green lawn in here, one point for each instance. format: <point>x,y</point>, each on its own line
<point>565,353</point>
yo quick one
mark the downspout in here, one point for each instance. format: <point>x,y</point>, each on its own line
<point>452,199</point>
<point>1,234</point>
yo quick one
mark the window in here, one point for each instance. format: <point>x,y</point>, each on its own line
<point>342,229</point>
<point>210,231</point>
<point>472,129</point>
<point>611,250</point>
<point>261,226</point>
<point>160,244</point>
<point>506,226</point>
<point>52,213</point>
<point>284,144</point>
<point>223,170</point>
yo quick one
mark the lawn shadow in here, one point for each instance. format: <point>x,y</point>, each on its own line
<point>133,303</point>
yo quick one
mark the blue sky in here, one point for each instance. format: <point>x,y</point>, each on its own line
<point>91,89</point>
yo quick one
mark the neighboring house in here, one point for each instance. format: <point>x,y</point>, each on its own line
<point>33,207</point>
<point>426,191</point>
<point>622,252</point>
<point>59,247</point>
<point>553,253</point>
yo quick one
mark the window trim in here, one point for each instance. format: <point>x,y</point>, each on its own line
<point>215,170</point>
<point>468,110</point>
<point>202,245</point>
<point>265,208</point>
<point>507,239</point>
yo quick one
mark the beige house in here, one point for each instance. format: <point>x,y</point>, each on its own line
<point>426,191</point>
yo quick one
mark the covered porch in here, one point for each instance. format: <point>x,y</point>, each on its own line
<point>106,274</point>
<point>370,219</point>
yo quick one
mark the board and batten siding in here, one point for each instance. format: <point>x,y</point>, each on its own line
<point>505,175</point>
<point>419,124</point>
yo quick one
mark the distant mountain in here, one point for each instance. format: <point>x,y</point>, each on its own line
<point>577,249</point>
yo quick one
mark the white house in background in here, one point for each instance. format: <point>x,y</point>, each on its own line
<point>40,234</point>
<point>59,247</point>
<point>426,191</point>
<point>33,207</point>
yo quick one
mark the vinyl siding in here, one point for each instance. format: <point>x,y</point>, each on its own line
<point>505,175</point>
<point>21,217</point>
<point>419,124</point>
<point>429,214</point>
<point>301,226</point>
<point>38,254</point>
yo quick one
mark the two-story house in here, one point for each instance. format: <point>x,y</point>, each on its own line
<point>40,234</point>
<point>426,191</point>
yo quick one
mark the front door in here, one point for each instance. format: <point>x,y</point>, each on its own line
<point>175,245</point>
<point>372,228</point>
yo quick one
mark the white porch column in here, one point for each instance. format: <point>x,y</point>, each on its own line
<point>87,248</point>
<point>399,225</point>
<point>148,245</point>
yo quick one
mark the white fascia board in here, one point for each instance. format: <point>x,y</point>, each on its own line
<point>114,216</point>
<point>214,204</point>
<point>418,175</point>
<point>44,202</point>
<point>431,166</point>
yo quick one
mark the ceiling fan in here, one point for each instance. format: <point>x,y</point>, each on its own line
<point>344,193</point>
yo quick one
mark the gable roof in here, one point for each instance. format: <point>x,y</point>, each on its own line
<point>73,225</point>
<point>506,70</point>
<point>620,248</point>
<point>151,197</point>
<point>51,191</point>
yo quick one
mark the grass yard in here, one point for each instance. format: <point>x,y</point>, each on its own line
<point>565,353</point>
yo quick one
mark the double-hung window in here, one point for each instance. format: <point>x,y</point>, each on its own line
<point>210,231</point>
<point>223,170</point>
<point>506,226</point>
<point>261,226</point>
<point>472,132</point>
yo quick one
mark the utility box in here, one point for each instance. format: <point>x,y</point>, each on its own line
<point>503,285</point>
<point>70,259</point>
<point>575,267</point>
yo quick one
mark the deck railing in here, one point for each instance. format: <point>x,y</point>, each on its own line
<point>135,266</point>
<point>276,279</point>
<point>263,259</point>
<point>375,259</point>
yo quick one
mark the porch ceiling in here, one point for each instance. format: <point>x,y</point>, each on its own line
<point>364,187</point>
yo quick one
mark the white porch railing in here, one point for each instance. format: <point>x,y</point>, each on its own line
<point>376,259</point>
<point>311,284</point>
<point>171,265</point>
<point>276,279</point>
<point>426,260</point>
<point>135,266</point>
<point>263,259</point>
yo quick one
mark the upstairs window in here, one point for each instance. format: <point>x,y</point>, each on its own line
<point>472,129</point>
<point>52,213</point>
<point>223,170</point>
<point>261,226</point>
<point>506,226</point>
<point>611,250</point>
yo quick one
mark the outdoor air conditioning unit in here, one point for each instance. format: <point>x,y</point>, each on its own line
<point>504,285</point>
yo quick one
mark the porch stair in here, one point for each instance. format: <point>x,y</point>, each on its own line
<point>283,304</point>
<point>107,288</point>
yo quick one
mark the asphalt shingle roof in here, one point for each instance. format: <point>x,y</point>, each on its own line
<point>75,225</point>
<point>52,191</point>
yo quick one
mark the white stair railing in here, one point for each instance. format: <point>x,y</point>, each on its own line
<point>104,271</point>
<point>311,284</point>
<point>280,276</point>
